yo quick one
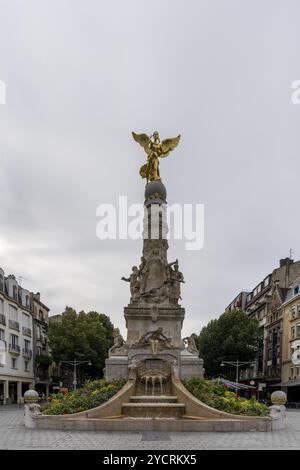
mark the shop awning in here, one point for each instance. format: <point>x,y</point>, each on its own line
<point>235,385</point>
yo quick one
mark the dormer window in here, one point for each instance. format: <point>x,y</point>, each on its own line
<point>15,293</point>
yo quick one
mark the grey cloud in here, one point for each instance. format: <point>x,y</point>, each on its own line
<point>80,76</point>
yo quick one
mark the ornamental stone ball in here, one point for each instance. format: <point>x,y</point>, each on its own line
<point>31,396</point>
<point>155,190</point>
<point>278,398</point>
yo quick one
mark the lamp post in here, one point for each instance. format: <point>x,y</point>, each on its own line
<point>75,363</point>
<point>236,364</point>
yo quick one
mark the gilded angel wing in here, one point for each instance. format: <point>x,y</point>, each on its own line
<point>143,140</point>
<point>168,145</point>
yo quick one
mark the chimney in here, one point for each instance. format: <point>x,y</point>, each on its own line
<point>285,262</point>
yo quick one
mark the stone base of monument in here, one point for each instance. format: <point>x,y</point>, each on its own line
<point>155,402</point>
<point>116,367</point>
<point>190,365</point>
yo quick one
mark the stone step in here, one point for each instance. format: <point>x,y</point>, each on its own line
<point>153,399</point>
<point>153,410</point>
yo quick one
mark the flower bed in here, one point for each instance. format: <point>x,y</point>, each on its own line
<point>92,394</point>
<point>215,394</point>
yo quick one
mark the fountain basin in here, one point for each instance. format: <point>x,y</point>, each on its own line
<point>153,410</point>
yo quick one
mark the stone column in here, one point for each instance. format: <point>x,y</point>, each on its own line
<point>19,392</point>
<point>47,391</point>
<point>6,392</point>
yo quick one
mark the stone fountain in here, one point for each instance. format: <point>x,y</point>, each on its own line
<point>154,358</point>
<point>154,347</point>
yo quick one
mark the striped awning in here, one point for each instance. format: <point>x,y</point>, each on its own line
<point>234,385</point>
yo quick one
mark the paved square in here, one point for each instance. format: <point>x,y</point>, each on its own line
<point>13,435</point>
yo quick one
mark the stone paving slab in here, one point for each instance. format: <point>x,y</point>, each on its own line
<point>13,435</point>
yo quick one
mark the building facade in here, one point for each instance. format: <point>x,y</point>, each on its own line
<point>265,303</point>
<point>291,343</point>
<point>42,360</point>
<point>17,369</point>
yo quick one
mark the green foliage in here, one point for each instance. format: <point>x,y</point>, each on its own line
<point>232,336</point>
<point>92,394</point>
<point>84,337</point>
<point>43,359</point>
<point>215,394</point>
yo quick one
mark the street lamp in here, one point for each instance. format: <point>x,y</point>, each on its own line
<point>236,364</point>
<point>75,363</point>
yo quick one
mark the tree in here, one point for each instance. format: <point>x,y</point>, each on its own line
<point>84,337</point>
<point>230,337</point>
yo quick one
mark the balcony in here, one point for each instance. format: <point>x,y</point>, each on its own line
<point>27,353</point>
<point>14,348</point>
<point>14,325</point>
<point>2,319</point>
<point>26,331</point>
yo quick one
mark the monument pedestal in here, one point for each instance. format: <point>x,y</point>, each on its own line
<point>190,365</point>
<point>116,367</point>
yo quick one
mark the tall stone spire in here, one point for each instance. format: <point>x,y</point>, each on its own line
<point>153,316</point>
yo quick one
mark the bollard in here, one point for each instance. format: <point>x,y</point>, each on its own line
<point>277,410</point>
<point>31,408</point>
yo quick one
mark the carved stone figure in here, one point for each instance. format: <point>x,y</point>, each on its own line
<point>175,368</point>
<point>155,149</point>
<point>156,339</point>
<point>132,369</point>
<point>191,343</point>
<point>119,346</point>
<point>175,277</point>
<point>143,273</point>
<point>134,284</point>
<point>154,272</point>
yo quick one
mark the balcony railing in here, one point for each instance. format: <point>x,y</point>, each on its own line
<point>27,352</point>
<point>14,348</point>
<point>26,331</point>
<point>14,325</point>
<point>2,319</point>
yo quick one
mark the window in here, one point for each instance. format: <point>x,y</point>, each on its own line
<point>1,306</point>
<point>27,300</point>
<point>26,345</point>
<point>13,313</point>
<point>41,315</point>
<point>292,372</point>
<point>38,332</point>
<point>1,283</point>
<point>14,363</point>
<point>2,335</point>
<point>298,329</point>
<point>26,320</point>
<point>15,292</point>
<point>297,370</point>
<point>293,312</point>
<point>298,310</point>
<point>296,290</point>
<point>293,332</point>
<point>14,340</point>
<point>26,366</point>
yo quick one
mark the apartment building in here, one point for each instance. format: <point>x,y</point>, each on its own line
<point>20,313</point>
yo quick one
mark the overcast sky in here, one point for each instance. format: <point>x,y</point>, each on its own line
<point>81,75</point>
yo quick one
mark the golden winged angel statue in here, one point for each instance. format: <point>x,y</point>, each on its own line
<point>155,149</point>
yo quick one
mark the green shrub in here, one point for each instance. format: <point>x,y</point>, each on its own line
<point>92,394</point>
<point>215,394</point>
